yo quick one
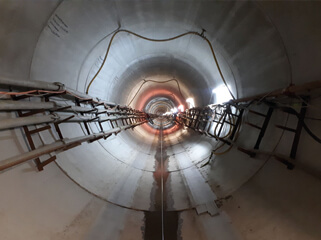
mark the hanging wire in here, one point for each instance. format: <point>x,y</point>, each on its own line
<point>155,81</point>
<point>161,40</point>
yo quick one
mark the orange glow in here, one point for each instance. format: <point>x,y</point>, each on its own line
<point>147,95</point>
<point>181,108</point>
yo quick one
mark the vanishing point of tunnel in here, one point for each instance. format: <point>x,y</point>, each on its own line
<point>160,120</point>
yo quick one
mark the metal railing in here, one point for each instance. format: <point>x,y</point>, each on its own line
<point>51,104</point>
<point>223,121</point>
<point>218,121</point>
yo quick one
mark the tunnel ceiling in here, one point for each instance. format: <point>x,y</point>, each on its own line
<point>71,49</point>
<point>162,69</point>
<point>73,44</point>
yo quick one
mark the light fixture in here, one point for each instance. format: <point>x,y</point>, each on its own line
<point>190,102</point>
<point>221,94</point>
<point>174,110</point>
<point>180,108</point>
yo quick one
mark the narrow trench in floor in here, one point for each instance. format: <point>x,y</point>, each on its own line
<point>161,224</point>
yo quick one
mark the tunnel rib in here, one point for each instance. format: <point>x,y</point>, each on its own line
<point>163,40</point>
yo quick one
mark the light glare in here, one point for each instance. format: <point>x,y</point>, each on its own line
<point>190,102</point>
<point>221,94</point>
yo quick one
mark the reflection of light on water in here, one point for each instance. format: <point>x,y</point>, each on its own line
<point>221,94</point>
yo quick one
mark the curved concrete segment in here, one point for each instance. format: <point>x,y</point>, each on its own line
<point>149,182</point>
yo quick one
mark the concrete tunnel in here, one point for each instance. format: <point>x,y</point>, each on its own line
<point>111,189</point>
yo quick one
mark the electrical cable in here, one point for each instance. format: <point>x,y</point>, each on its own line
<point>307,129</point>
<point>155,81</point>
<point>88,54</point>
<point>160,40</point>
<point>35,93</point>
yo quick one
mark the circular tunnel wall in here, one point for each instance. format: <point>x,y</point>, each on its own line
<point>72,48</point>
<point>119,178</point>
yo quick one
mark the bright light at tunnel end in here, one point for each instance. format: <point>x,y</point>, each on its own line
<point>180,108</point>
<point>190,102</point>
<point>174,110</point>
<point>221,94</point>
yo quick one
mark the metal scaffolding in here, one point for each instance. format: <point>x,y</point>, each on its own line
<point>45,113</point>
<point>223,121</point>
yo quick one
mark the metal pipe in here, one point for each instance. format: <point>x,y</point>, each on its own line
<point>41,85</point>
<point>77,109</point>
<point>76,118</point>
<point>13,161</point>
<point>86,96</point>
<point>79,94</point>
<point>9,105</point>
<point>32,84</point>
<point>59,145</point>
<point>25,121</point>
<point>29,84</point>
<point>116,118</point>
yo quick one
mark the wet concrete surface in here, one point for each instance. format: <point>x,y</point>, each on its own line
<point>153,226</point>
<point>160,223</point>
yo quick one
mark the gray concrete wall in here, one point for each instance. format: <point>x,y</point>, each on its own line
<point>99,190</point>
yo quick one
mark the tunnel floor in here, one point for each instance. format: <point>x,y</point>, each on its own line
<point>161,181</point>
<point>160,223</point>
